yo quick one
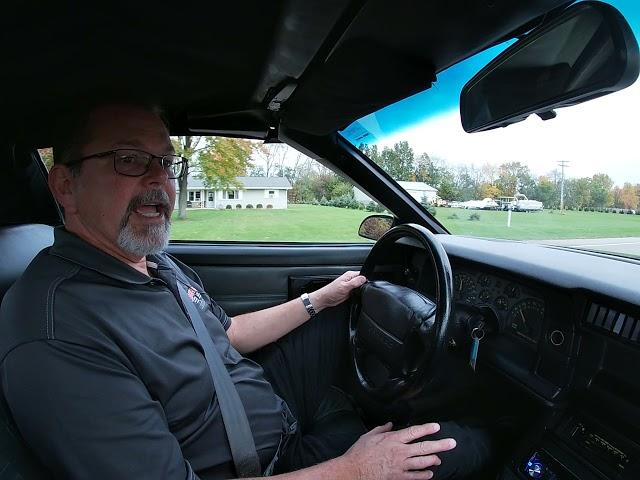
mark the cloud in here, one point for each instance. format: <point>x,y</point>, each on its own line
<point>599,136</point>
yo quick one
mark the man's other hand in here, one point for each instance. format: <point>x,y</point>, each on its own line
<point>337,291</point>
<point>383,454</point>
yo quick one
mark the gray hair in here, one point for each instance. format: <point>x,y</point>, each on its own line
<point>73,131</point>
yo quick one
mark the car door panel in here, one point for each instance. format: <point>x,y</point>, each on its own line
<point>249,277</point>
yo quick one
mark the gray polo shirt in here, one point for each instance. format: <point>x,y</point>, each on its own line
<point>105,377</point>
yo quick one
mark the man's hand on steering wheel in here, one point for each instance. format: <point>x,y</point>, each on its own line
<point>337,291</point>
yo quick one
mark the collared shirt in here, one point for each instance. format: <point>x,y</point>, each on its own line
<point>104,374</point>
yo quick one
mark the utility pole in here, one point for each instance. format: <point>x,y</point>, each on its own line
<point>562,163</point>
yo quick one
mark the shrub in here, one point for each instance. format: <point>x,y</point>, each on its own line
<point>248,205</point>
<point>238,205</point>
<point>344,201</point>
<point>431,209</point>
<point>259,205</point>
<point>474,216</point>
<point>453,216</point>
<point>228,207</point>
<point>374,207</point>
<point>269,206</point>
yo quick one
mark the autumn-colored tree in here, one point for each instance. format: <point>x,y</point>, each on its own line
<point>47,157</point>
<point>223,159</point>
<point>628,196</point>
<point>489,191</point>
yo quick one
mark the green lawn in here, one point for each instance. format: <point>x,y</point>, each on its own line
<point>298,223</point>
<point>545,225</point>
<point>308,223</point>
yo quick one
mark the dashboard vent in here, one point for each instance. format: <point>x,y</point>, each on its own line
<point>617,323</point>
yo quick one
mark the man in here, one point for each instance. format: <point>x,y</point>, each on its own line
<point>101,368</point>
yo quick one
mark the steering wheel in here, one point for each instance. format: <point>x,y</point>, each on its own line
<point>398,335</point>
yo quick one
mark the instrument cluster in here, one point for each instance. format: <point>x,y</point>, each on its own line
<point>519,310</point>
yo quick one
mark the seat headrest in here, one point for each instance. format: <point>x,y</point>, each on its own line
<point>19,244</point>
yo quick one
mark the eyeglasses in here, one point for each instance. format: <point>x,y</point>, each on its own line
<point>135,163</point>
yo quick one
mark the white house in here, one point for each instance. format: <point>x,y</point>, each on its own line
<point>418,190</point>
<point>265,192</point>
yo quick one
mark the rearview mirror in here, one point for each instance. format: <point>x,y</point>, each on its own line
<point>587,51</point>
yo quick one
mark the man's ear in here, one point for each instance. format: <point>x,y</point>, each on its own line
<point>62,185</point>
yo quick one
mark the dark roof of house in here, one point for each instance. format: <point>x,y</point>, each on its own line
<point>248,182</point>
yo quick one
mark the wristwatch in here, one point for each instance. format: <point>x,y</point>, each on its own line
<point>308,305</point>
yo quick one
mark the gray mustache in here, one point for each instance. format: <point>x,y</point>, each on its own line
<point>152,196</point>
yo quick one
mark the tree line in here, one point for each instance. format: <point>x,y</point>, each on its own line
<point>467,182</point>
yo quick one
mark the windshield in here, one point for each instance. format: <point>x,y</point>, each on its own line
<point>571,181</point>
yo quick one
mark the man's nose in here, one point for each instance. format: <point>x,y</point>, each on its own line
<point>157,173</point>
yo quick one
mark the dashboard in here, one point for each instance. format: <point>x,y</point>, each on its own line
<point>565,330</point>
<point>519,310</point>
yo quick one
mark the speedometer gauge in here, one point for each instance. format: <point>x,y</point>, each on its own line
<point>526,319</point>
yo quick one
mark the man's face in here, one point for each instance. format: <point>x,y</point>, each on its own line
<point>128,216</point>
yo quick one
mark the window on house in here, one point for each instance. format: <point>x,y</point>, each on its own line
<point>279,195</point>
<point>191,196</point>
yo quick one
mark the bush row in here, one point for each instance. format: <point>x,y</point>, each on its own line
<point>248,205</point>
<point>624,211</point>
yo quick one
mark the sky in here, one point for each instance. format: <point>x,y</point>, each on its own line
<point>599,136</point>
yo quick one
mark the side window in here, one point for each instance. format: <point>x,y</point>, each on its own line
<point>244,190</point>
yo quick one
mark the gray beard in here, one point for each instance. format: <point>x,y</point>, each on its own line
<point>155,238</point>
<point>137,244</point>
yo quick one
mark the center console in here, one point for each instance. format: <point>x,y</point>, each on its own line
<point>578,448</point>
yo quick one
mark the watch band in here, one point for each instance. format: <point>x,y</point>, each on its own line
<point>306,301</point>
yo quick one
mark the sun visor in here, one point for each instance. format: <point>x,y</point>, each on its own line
<point>360,77</point>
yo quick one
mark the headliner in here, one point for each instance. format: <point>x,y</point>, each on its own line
<point>242,66</point>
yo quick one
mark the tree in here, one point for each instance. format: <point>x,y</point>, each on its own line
<point>577,192</point>
<point>186,146</point>
<point>398,161</point>
<point>515,178</point>
<point>489,191</point>
<point>546,192</point>
<point>628,196</point>
<point>601,190</point>
<point>447,188</point>
<point>272,155</point>
<point>47,157</point>
<point>254,170</point>
<point>223,159</point>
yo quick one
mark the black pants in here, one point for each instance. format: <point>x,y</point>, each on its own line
<point>303,367</point>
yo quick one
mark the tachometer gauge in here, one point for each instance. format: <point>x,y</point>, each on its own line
<point>526,319</point>
<point>501,302</point>
<point>465,285</point>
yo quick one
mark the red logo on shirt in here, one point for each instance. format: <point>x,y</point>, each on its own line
<point>196,298</point>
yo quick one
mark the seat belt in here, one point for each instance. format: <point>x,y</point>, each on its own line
<point>234,417</point>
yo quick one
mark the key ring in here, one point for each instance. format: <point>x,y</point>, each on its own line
<point>477,333</point>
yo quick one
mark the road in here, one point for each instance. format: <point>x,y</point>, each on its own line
<point>622,246</point>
